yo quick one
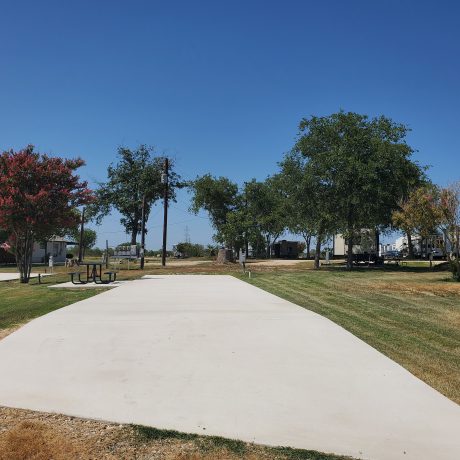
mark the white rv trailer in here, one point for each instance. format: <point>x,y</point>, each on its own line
<point>365,248</point>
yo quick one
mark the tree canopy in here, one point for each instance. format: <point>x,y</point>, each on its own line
<point>449,206</point>
<point>308,199</point>
<point>38,198</point>
<point>89,238</point>
<point>136,175</point>
<point>365,164</point>
<point>419,213</point>
<point>218,197</point>
<point>266,208</point>
<point>252,215</point>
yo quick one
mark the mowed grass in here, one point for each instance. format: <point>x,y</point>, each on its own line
<point>217,447</point>
<point>20,303</point>
<point>411,316</point>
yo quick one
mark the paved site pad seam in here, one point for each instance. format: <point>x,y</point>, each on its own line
<point>214,355</point>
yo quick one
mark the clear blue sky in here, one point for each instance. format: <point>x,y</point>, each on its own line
<point>221,86</point>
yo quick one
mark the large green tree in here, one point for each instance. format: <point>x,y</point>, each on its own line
<point>308,199</point>
<point>366,166</point>
<point>219,197</point>
<point>266,209</point>
<point>240,217</point>
<point>136,175</point>
<point>89,238</point>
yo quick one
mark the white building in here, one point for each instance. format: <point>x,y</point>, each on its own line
<point>57,247</point>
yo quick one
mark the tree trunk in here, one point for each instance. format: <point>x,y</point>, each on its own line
<point>24,248</point>
<point>307,239</point>
<point>318,252</point>
<point>457,255</point>
<point>134,236</point>
<point>269,253</point>
<point>410,246</point>
<point>350,251</point>
<point>350,237</point>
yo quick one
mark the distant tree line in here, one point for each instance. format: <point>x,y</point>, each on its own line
<point>187,249</point>
<point>346,172</point>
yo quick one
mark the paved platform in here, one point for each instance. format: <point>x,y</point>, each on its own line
<point>214,355</point>
<point>91,285</point>
<point>10,276</point>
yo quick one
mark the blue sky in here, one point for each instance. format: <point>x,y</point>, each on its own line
<point>221,86</point>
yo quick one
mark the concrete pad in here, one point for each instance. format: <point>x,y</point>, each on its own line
<point>10,276</point>
<point>70,285</point>
<point>214,355</point>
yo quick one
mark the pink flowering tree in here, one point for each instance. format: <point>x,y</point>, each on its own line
<point>38,199</point>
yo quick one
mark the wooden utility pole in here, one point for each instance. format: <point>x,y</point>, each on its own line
<point>106,254</point>
<point>164,180</point>
<point>82,229</point>
<point>143,233</point>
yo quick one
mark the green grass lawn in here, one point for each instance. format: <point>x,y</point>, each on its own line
<point>411,316</point>
<point>20,303</point>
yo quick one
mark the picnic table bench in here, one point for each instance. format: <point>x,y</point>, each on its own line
<point>72,278</point>
<point>114,274</point>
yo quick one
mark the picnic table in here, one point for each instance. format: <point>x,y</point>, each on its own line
<point>93,273</point>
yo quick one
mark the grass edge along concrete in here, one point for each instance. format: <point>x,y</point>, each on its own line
<point>207,443</point>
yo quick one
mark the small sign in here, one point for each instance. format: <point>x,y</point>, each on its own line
<point>126,252</point>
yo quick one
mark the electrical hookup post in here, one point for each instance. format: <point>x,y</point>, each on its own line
<point>242,260</point>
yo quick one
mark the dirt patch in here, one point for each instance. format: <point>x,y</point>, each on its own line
<point>29,435</point>
<point>34,440</point>
<point>33,435</point>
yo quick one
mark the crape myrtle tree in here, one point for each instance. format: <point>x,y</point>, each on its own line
<point>38,198</point>
<point>366,165</point>
<point>136,175</point>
